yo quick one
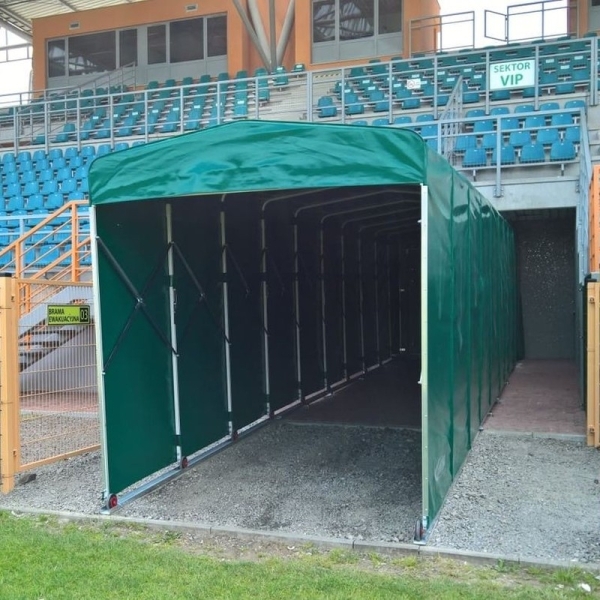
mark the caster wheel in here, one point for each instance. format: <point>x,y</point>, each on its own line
<point>419,531</point>
<point>184,462</point>
<point>113,501</point>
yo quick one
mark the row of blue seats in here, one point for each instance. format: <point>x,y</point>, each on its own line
<point>532,153</point>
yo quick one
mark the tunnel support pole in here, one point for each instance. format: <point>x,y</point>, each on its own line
<point>265,309</point>
<point>297,312</point>
<point>361,306</point>
<point>377,320</point>
<point>174,354</point>
<point>344,322</point>
<point>226,316</point>
<point>400,292</point>
<point>323,317</point>
<point>389,295</point>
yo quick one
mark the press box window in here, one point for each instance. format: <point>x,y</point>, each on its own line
<point>216,36</point>
<point>157,44</point>
<point>92,53</point>
<point>56,58</point>
<point>186,40</point>
<point>128,47</point>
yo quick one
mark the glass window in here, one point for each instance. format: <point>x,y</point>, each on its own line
<point>390,16</point>
<point>357,19</point>
<point>216,36</point>
<point>127,47</point>
<point>187,40</point>
<point>92,53</point>
<point>56,58</point>
<point>157,44</point>
<point>323,21</point>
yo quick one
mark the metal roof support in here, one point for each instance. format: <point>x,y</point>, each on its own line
<point>251,32</point>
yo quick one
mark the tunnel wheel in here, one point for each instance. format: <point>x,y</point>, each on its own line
<point>419,531</point>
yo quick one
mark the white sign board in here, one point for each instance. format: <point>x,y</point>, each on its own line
<point>413,84</point>
<point>513,74</point>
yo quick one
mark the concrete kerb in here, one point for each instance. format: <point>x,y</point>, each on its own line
<point>324,543</point>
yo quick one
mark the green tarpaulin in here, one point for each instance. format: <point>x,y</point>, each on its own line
<point>148,202</point>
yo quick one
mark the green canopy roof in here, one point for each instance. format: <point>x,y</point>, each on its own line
<point>262,155</point>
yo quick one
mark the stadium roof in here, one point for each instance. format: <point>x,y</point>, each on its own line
<point>17,14</point>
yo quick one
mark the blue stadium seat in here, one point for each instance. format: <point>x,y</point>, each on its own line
<point>121,146</point>
<point>382,122</point>
<point>546,106</point>
<point>483,126</point>
<point>76,195</point>
<point>547,136</point>
<point>429,131</point>
<point>360,123</point>
<point>403,120</point>
<point>34,202</point>
<point>562,151</point>
<point>49,187</point>
<point>519,138</point>
<point>532,153</point>
<point>465,141</point>
<point>55,200</point>
<point>58,163</point>
<point>474,157</point>
<point>71,152</point>
<point>534,122</point>
<point>497,110</point>
<point>524,108</point>
<point>28,177</point>
<point>564,87</point>
<point>63,174</point>
<point>575,104</point>
<point>39,155</point>
<point>411,103</point>
<point>573,134</point>
<point>559,119</point>
<point>41,164</point>
<point>507,155</point>
<point>46,175</point>
<point>509,123</point>
<point>68,186</point>
<point>30,188</point>
<point>15,202</point>
<point>489,141</point>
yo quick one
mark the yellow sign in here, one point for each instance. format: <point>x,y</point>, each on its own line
<point>68,314</point>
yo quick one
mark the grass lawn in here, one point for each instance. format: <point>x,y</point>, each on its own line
<point>45,558</point>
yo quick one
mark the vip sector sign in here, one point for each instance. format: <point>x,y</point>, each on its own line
<point>68,314</point>
<point>513,74</point>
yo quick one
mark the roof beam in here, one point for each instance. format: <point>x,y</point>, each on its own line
<point>68,5</point>
<point>15,24</point>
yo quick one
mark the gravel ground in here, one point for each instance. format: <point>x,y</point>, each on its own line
<point>525,496</point>
<point>334,481</point>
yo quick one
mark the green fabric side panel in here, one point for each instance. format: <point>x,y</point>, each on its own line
<point>138,381</point>
<point>440,345</point>
<point>242,217</point>
<point>369,314</point>
<point>281,309</point>
<point>353,340</point>
<point>333,302</point>
<point>200,341</point>
<point>471,319</point>
<point>311,347</point>
<point>462,322</point>
<point>383,292</point>
<point>257,156</point>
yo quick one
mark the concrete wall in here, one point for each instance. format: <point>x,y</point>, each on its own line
<point>546,263</point>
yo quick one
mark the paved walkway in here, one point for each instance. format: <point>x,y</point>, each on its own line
<point>542,396</point>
